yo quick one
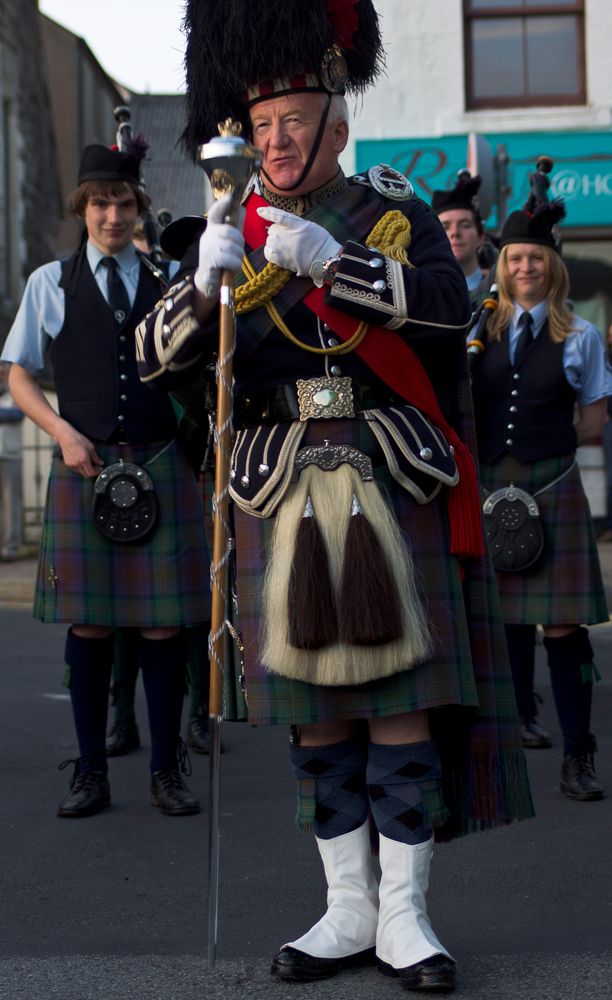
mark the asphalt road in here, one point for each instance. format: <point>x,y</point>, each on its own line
<point>114,906</point>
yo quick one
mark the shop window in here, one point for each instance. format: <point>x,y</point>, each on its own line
<point>524,52</point>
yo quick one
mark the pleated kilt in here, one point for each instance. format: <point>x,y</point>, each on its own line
<point>565,586</point>
<point>85,579</point>
<point>466,682</point>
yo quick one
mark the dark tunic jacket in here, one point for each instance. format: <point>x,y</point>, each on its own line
<point>526,410</point>
<point>94,364</point>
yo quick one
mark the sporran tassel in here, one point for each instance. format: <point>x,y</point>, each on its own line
<point>311,608</point>
<point>369,607</point>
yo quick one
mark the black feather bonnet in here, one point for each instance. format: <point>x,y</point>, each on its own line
<point>240,51</point>
<point>534,227</point>
<point>462,195</point>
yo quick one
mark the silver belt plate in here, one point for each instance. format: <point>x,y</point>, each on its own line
<point>325,398</point>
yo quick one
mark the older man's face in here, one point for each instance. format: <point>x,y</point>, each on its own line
<point>284,130</point>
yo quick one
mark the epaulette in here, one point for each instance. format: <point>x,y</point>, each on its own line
<point>386,181</point>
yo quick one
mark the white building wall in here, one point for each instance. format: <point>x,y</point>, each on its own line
<point>423,92</point>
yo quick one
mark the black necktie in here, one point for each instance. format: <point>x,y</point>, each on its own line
<point>118,298</point>
<point>525,325</point>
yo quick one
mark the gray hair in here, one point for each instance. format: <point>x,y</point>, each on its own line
<point>338,109</point>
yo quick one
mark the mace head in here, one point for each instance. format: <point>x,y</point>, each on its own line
<point>229,162</point>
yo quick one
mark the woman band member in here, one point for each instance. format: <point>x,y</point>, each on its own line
<point>541,364</point>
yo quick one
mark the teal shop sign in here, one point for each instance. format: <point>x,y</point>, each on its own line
<point>582,172</point>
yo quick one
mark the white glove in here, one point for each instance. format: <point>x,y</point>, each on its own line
<point>221,247</point>
<point>295,243</point>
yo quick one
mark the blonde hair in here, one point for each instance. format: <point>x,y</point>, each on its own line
<point>556,295</point>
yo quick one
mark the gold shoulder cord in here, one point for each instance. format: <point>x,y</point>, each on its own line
<point>390,235</point>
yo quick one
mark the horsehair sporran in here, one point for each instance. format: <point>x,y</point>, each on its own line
<point>338,664</point>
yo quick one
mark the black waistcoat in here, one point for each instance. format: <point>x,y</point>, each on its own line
<point>94,363</point>
<point>528,409</point>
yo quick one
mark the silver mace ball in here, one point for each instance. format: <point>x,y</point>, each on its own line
<point>229,161</point>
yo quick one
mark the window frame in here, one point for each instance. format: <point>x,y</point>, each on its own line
<point>575,8</point>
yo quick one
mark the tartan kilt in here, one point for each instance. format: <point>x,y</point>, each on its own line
<point>85,579</point>
<point>466,683</point>
<point>565,586</point>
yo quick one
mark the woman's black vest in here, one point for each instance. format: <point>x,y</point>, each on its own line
<point>94,363</point>
<point>528,409</point>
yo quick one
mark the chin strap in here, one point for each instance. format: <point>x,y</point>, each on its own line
<point>312,155</point>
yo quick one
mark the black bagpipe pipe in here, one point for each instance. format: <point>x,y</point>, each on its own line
<point>477,332</point>
<point>127,143</point>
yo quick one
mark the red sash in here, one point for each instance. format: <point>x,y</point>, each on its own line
<point>397,365</point>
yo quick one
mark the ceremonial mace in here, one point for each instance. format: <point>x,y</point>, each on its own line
<point>229,162</point>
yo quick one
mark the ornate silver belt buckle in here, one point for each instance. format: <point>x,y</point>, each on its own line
<point>325,398</point>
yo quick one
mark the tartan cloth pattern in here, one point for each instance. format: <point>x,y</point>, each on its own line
<point>566,585</point>
<point>85,579</point>
<point>466,682</point>
<point>399,778</point>
<point>353,212</point>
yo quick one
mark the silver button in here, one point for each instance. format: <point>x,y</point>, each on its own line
<point>375,262</point>
<point>167,330</point>
<point>509,441</point>
<point>233,475</point>
<point>123,378</point>
<point>121,417</point>
<point>123,397</point>
<point>332,342</point>
<point>426,454</point>
<point>245,481</point>
<point>509,427</point>
<point>122,357</point>
<point>379,286</point>
<point>513,409</point>
<point>336,370</point>
<point>516,377</point>
<point>169,304</point>
<point>514,392</point>
<point>123,338</point>
<point>264,470</point>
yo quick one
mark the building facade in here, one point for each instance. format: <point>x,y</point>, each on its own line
<point>30,203</point>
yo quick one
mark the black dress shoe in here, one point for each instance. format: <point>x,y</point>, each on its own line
<point>578,778</point>
<point>198,734</point>
<point>123,738</point>
<point>170,793</point>
<point>433,975</point>
<point>296,966</point>
<point>89,793</point>
<point>534,736</point>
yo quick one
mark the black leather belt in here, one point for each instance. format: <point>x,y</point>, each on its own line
<point>280,403</point>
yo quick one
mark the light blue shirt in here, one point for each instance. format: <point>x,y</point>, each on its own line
<point>474,279</point>
<point>40,316</point>
<point>584,357</point>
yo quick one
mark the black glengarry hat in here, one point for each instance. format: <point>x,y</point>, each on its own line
<point>534,227</point>
<point>243,51</point>
<point>462,195</point>
<point>99,163</point>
